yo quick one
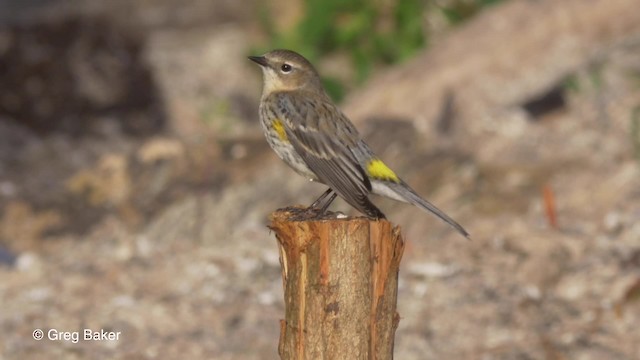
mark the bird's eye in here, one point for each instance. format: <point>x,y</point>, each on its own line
<point>285,68</point>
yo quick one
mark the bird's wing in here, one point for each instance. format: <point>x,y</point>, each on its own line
<point>322,136</point>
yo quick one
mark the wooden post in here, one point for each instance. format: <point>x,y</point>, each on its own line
<point>340,279</point>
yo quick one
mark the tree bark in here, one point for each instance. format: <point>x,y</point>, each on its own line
<point>340,279</point>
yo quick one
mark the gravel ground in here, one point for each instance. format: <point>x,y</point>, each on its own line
<point>158,236</point>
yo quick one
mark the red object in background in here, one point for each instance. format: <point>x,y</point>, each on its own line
<point>550,206</point>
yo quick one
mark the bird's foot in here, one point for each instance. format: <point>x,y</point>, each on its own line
<point>310,213</point>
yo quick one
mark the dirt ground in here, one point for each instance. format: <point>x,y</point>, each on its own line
<point>135,184</point>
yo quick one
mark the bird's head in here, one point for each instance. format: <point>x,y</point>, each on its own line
<point>285,70</point>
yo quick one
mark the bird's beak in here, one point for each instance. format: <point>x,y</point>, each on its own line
<point>260,60</point>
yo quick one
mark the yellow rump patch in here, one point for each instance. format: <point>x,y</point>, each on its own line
<point>279,128</point>
<point>379,171</point>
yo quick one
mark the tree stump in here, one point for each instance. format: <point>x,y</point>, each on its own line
<point>340,279</point>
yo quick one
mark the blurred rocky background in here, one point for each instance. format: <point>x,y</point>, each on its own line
<point>135,183</point>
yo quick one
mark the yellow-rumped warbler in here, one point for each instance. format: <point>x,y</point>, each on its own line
<point>308,132</point>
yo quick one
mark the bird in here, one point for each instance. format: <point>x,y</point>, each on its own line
<point>315,138</point>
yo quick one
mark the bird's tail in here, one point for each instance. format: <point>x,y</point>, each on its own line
<point>409,195</point>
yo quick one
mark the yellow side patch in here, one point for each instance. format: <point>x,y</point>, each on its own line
<point>379,171</point>
<point>279,128</point>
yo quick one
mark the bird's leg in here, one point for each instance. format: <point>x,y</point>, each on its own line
<point>326,205</point>
<point>319,207</point>
<point>321,199</point>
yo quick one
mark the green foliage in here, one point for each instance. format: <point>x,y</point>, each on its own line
<point>354,27</point>
<point>572,83</point>
<point>457,11</point>
<point>371,33</point>
<point>592,79</point>
<point>596,75</point>
<point>333,87</point>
